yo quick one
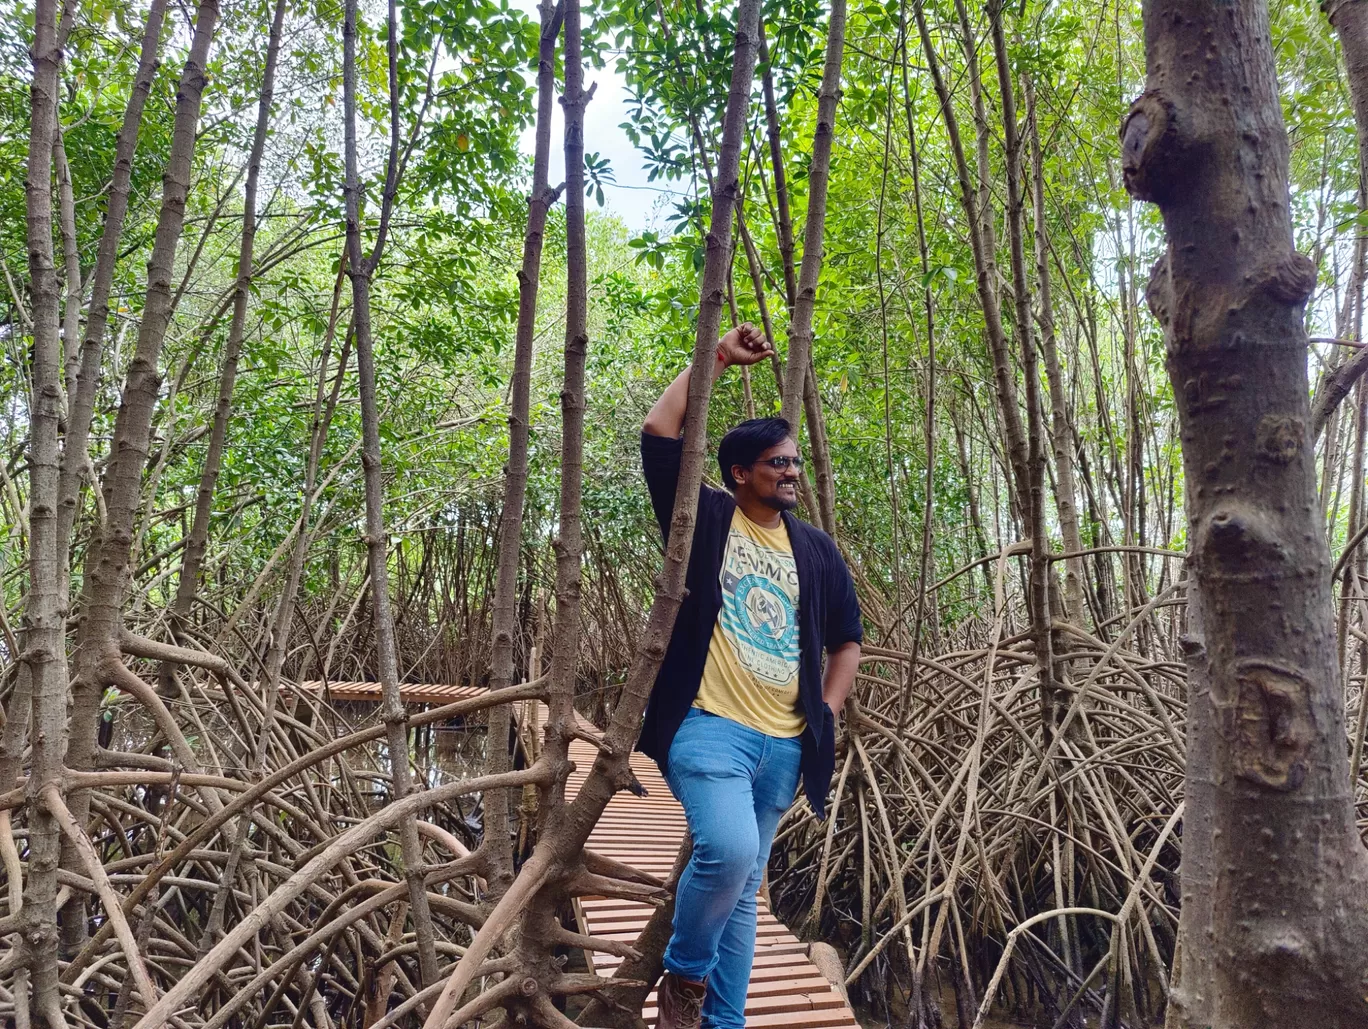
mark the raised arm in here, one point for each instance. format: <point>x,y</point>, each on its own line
<point>743,345</point>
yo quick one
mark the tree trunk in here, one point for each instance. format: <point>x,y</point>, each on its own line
<point>569,541</point>
<point>819,490</point>
<point>539,922</point>
<point>819,450</point>
<point>199,532</point>
<point>193,555</point>
<point>1350,21</point>
<point>1274,874</point>
<point>96,656</point>
<point>548,877</point>
<point>360,268</point>
<point>819,175</point>
<point>71,263</point>
<point>784,220</point>
<point>1061,432</point>
<point>283,619</point>
<point>81,396</point>
<point>976,211</point>
<point>496,850</point>
<point>44,654</point>
<point>1033,510</point>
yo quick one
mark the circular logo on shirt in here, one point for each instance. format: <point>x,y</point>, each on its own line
<point>766,619</point>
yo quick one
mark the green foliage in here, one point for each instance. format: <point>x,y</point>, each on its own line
<point>446,296</point>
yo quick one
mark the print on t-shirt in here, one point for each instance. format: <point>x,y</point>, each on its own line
<point>759,614</point>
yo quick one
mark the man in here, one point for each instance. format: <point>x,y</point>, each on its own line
<point>741,705</point>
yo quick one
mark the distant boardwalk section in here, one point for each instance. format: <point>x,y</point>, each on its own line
<point>409,692</point>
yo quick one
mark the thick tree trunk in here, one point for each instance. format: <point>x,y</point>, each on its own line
<point>360,268</point>
<point>1274,874</point>
<point>496,850</point>
<point>44,654</point>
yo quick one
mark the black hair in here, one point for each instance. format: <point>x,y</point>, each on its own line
<point>747,441</point>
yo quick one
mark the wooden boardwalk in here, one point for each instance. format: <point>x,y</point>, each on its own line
<point>786,989</point>
<point>412,693</point>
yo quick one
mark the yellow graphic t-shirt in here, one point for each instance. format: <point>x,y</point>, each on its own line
<point>751,675</point>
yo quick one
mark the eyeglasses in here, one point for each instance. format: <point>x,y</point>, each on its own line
<point>780,464</point>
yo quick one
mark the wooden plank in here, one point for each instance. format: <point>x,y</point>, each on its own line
<point>786,989</point>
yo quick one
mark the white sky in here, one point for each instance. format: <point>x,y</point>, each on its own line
<point>633,199</point>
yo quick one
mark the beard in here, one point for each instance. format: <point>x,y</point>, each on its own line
<point>783,500</point>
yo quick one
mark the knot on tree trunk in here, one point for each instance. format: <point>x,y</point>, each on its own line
<point>1279,438</point>
<point>1238,540</point>
<point>1159,292</point>
<point>1263,711</point>
<point>1150,148</point>
<point>1290,280</point>
<point>1332,8</point>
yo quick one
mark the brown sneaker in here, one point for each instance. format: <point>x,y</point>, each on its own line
<point>679,1002</point>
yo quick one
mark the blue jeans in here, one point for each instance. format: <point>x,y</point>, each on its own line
<point>735,783</point>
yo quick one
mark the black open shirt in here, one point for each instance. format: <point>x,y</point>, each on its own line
<point>828,617</point>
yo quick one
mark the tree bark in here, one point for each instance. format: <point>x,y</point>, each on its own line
<point>569,541</point>
<point>1061,432</point>
<point>81,395</point>
<point>96,652</point>
<point>193,554</point>
<point>1274,875</point>
<point>71,262</point>
<point>496,849</point>
<point>44,638</point>
<point>360,269</point>
<point>819,176</point>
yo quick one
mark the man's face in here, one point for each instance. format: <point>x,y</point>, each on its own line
<point>775,487</point>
